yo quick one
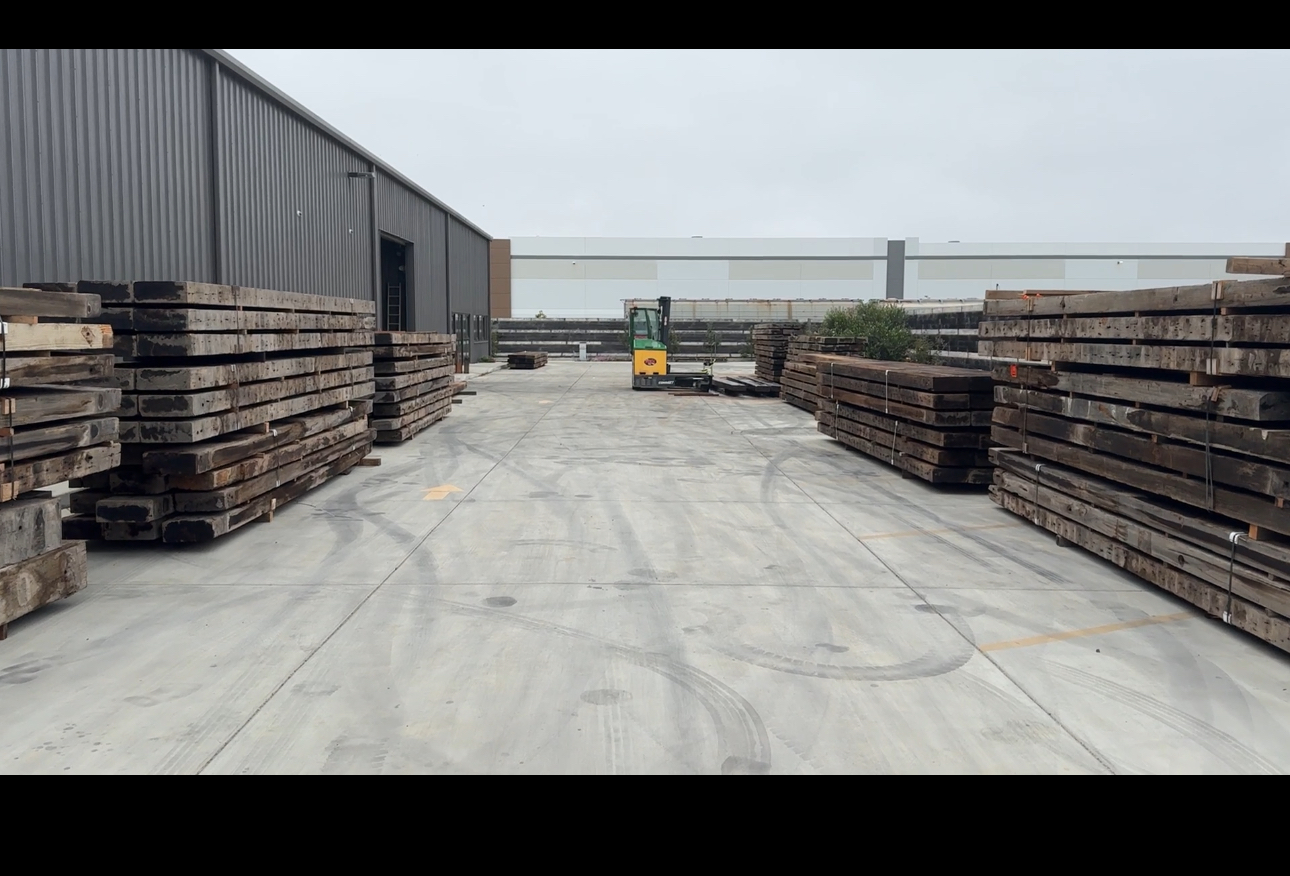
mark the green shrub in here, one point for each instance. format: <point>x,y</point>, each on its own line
<point>885,330</point>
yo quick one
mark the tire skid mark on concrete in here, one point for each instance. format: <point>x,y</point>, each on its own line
<point>1223,746</point>
<point>743,744</point>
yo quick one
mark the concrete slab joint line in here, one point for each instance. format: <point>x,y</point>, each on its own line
<point>1106,764</point>
<point>373,592</point>
<point>630,583</point>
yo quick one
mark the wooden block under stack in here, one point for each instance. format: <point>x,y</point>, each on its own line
<point>526,361</point>
<point>798,383</point>
<point>51,430</point>
<point>1152,428</point>
<point>930,421</point>
<point>770,348</point>
<point>235,402</point>
<point>414,383</point>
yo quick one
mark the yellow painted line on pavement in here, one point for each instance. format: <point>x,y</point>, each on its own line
<point>1091,631</point>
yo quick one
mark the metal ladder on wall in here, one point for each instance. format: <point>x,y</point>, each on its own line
<point>394,308</point>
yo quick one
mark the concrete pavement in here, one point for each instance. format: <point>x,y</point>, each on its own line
<point>569,577</point>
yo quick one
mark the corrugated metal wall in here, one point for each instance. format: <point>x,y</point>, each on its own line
<point>468,268</point>
<point>468,279</point>
<point>406,215</point>
<point>104,164</point>
<point>436,301</point>
<point>110,169</point>
<point>293,218</point>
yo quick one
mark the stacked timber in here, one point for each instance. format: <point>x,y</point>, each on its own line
<point>414,383</point>
<point>929,421</point>
<point>235,401</point>
<point>1152,428</point>
<point>798,382</point>
<point>526,361</point>
<point>770,347</point>
<point>52,429</point>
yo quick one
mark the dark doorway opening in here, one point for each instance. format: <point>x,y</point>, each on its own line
<point>396,276</point>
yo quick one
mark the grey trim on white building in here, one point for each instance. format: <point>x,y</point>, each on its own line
<point>592,277</point>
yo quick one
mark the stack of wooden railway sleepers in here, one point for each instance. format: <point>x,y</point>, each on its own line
<point>52,429</point>
<point>930,421</point>
<point>798,384</point>
<point>749,386</point>
<point>235,401</point>
<point>1152,428</point>
<point>526,361</point>
<point>770,348</point>
<point>414,383</point>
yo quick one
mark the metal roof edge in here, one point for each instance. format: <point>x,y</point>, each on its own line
<point>246,73</point>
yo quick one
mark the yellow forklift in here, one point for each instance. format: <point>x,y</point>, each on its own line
<point>651,330</point>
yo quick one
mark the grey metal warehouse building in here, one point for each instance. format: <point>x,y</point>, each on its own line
<point>182,164</point>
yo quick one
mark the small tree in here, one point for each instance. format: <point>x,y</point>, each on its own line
<point>885,329</point>
<point>711,342</point>
<point>540,315</point>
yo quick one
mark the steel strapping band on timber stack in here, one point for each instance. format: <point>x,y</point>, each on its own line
<point>929,421</point>
<point>1151,427</point>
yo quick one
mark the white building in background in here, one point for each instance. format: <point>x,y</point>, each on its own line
<point>592,277</point>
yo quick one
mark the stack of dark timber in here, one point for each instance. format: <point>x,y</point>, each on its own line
<point>929,421</point>
<point>236,401</point>
<point>749,386</point>
<point>799,385</point>
<point>52,429</point>
<point>770,348</point>
<point>526,361</point>
<point>1153,429</point>
<point>414,383</point>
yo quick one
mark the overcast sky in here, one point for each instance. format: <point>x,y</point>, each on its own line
<point>973,145</point>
